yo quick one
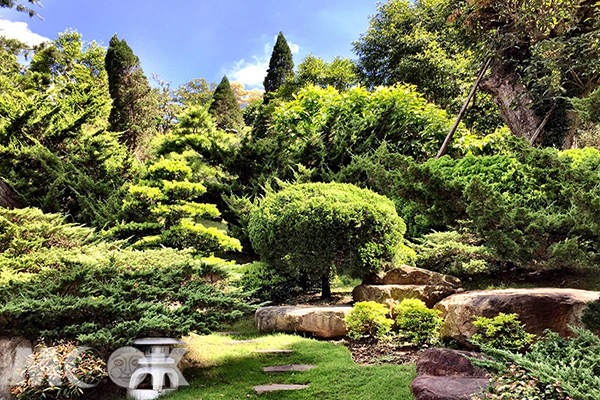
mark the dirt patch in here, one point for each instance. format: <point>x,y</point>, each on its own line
<point>370,351</point>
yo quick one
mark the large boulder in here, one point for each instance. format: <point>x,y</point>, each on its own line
<point>405,275</point>
<point>8,360</point>
<point>325,322</point>
<point>538,309</point>
<point>430,294</point>
<point>444,374</point>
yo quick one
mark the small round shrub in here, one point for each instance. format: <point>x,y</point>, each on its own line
<point>503,332</point>
<point>316,229</point>
<point>418,324</point>
<point>368,317</point>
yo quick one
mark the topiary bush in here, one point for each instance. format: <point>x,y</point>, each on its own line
<point>317,229</point>
<point>417,323</point>
<point>503,332</point>
<point>368,317</point>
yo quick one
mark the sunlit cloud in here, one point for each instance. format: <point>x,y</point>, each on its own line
<point>252,73</point>
<point>21,32</point>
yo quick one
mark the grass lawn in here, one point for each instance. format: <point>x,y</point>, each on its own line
<point>229,371</point>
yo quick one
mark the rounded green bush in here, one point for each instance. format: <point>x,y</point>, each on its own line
<point>417,323</point>
<point>368,317</point>
<point>316,229</point>
<point>503,332</point>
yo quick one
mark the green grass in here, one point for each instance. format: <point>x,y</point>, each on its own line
<point>223,371</point>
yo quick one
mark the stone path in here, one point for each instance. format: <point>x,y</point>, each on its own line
<point>278,369</point>
<point>288,368</point>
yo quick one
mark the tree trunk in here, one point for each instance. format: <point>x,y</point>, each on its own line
<point>325,285</point>
<point>514,102</point>
<point>8,197</point>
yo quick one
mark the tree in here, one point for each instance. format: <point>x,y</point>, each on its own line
<point>544,52</point>
<point>195,92</point>
<point>21,7</point>
<point>317,229</point>
<point>245,97</point>
<point>225,108</point>
<point>281,66</point>
<point>134,111</point>
<point>339,74</point>
<point>412,42</point>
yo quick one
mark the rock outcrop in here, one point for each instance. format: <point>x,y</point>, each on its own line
<point>538,309</point>
<point>406,282</point>
<point>8,354</point>
<point>444,374</point>
<point>325,322</point>
<point>430,294</point>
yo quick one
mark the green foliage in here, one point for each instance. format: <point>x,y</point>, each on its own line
<point>54,148</point>
<point>281,65</point>
<point>19,6</point>
<point>42,378</point>
<point>411,42</point>
<point>63,283</point>
<point>317,229</point>
<point>571,361</point>
<point>267,284</point>
<point>502,332</point>
<point>531,209</point>
<point>454,253</point>
<point>225,108</point>
<point>416,323</point>
<point>339,74</point>
<point>368,317</point>
<point>134,111</point>
<point>591,317</point>
<point>163,206</point>
<point>517,384</point>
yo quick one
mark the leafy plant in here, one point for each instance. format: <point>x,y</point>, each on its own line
<point>591,316</point>
<point>58,373</point>
<point>317,229</point>
<point>416,323</point>
<point>368,317</point>
<point>503,332</point>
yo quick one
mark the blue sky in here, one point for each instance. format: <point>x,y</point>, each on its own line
<point>185,39</point>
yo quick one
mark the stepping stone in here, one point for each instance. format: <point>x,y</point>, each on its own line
<point>273,351</point>
<point>232,333</point>
<point>244,341</point>
<point>277,387</point>
<point>288,367</point>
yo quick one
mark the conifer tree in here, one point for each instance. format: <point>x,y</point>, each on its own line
<point>134,110</point>
<point>225,108</point>
<point>281,65</point>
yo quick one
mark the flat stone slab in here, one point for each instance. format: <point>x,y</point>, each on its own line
<point>405,275</point>
<point>277,387</point>
<point>288,368</point>
<point>157,341</point>
<point>325,322</point>
<point>244,341</point>
<point>273,351</point>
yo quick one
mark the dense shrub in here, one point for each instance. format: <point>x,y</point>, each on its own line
<point>503,332</point>
<point>531,209</point>
<point>43,380</point>
<point>571,361</point>
<point>76,288</point>
<point>266,284</point>
<point>591,317</point>
<point>318,229</point>
<point>517,384</point>
<point>368,317</point>
<point>416,323</point>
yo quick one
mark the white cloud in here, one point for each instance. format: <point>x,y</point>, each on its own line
<point>252,74</point>
<point>20,31</point>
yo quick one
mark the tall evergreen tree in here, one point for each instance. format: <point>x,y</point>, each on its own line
<point>225,108</point>
<point>281,65</point>
<point>134,110</point>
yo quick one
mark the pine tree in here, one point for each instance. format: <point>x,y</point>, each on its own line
<point>225,108</point>
<point>281,65</point>
<point>134,110</point>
